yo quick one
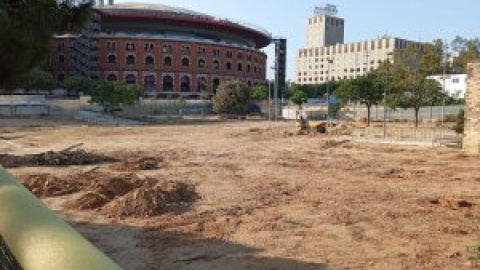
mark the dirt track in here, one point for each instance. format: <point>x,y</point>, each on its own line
<point>269,200</point>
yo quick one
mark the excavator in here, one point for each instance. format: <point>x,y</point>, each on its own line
<point>312,127</point>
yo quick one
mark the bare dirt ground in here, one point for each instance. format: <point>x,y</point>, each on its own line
<point>262,198</point>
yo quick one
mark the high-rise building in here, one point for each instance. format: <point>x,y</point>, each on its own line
<point>327,58</point>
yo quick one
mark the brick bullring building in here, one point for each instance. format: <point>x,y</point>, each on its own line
<point>168,51</point>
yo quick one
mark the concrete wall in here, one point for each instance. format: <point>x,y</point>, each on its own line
<point>23,105</point>
<point>471,141</point>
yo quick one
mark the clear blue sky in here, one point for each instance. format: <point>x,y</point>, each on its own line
<point>422,20</point>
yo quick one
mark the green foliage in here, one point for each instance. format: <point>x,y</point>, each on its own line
<point>78,84</point>
<point>367,90</point>
<point>468,51</point>
<point>459,126</point>
<point>260,92</point>
<point>298,97</point>
<point>112,95</point>
<point>38,79</point>
<point>232,97</point>
<point>410,87</point>
<point>26,32</point>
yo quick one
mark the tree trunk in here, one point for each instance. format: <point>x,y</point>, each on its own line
<point>417,109</point>
<point>369,107</point>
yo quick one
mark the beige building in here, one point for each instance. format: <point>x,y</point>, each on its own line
<point>326,56</point>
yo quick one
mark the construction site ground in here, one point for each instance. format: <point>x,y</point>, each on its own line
<point>253,195</point>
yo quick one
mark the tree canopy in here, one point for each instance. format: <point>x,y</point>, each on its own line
<point>232,97</point>
<point>111,95</point>
<point>27,29</point>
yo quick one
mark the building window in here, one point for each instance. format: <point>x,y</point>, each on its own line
<point>185,49</point>
<point>240,67</point>
<point>111,46</point>
<point>112,59</point>
<point>167,61</point>
<point>131,79</point>
<point>201,63</point>
<point>112,77</point>
<point>61,46</point>
<point>216,83</point>
<point>216,53</point>
<point>249,68</point>
<point>168,83</point>
<point>455,80</point>
<point>201,84</point>
<point>149,83</point>
<point>216,64</point>
<point>149,60</point>
<point>61,59</point>
<point>229,54</point>
<point>130,60</point>
<point>255,71</point>
<point>130,46</point>
<point>185,84</point>
<point>167,48</point>
<point>149,46</point>
<point>229,65</point>
<point>201,51</point>
<point>185,62</point>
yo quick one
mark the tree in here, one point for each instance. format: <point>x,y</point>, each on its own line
<point>112,95</point>
<point>38,79</point>
<point>411,88</point>
<point>298,97</point>
<point>468,53</point>
<point>260,92</point>
<point>459,126</point>
<point>78,84</point>
<point>367,90</point>
<point>232,97</point>
<point>26,33</point>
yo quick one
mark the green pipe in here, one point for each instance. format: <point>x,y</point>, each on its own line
<point>40,240</point>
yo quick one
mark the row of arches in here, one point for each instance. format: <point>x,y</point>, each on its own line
<point>185,62</point>
<point>168,83</point>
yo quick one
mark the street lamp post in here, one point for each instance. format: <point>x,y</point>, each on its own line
<point>385,96</point>
<point>329,61</point>
<point>269,100</point>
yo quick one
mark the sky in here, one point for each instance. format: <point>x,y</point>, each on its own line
<point>419,20</point>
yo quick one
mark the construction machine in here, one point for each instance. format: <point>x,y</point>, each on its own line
<point>312,127</point>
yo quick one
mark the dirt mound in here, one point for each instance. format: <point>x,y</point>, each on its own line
<point>139,164</point>
<point>51,158</point>
<point>149,200</point>
<point>88,201</point>
<point>46,185</point>
<point>115,186</point>
<point>452,202</point>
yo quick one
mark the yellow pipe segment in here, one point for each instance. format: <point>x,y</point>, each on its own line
<point>40,240</point>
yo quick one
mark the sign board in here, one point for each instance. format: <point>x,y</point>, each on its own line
<point>328,9</point>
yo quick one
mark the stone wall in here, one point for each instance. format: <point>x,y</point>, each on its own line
<point>471,140</point>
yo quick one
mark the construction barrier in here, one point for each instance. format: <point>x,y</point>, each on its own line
<point>38,239</point>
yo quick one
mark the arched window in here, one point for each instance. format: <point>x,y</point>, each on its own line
<point>216,83</point>
<point>112,59</point>
<point>201,84</point>
<point>149,60</point>
<point>149,83</point>
<point>131,79</point>
<point>130,60</point>
<point>112,77</point>
<point>201,63</point>
<point>249,68</point>
<point>255,69</point>
<point>185,84</point>
<point>168,83</point>
<point>229,65</point>
<point>239,67</point>
<point>216,65</point>
<point>61,59</point>
<point>167,61</point>
<point>185,62</point>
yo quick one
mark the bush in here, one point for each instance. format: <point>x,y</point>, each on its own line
<point>232,97</point>
<point>459,126</point>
